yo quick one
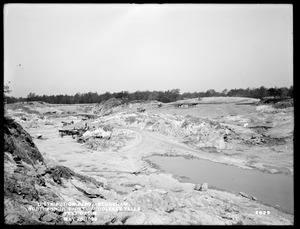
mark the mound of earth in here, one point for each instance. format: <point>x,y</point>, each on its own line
<point>103,139</point>
<point>197,132</point>
<point>105,107</point>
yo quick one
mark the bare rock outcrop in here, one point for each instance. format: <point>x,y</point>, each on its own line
<point>29,183</point>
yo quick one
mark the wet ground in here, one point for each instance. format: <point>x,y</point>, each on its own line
<point>273,189</point>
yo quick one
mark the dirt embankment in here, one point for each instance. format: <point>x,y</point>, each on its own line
<point>30,186</point>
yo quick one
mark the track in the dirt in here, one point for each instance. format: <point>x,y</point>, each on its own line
<point>151,141</point>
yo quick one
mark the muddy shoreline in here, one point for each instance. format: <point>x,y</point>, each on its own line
<point>182,175</point>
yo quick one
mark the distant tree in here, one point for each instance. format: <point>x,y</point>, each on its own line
<point>106,96</point>
<point>169,96</point>
<point>244,92</point>
<point>153,95</point>
<point>147,95</point>
<point>210,92</point>
<point>258,92</point>
<point>7,89</point>
<point>186,95</point>
<point>201,94</point>
<point>272,92</point>
<point>278,92</point>
<point>67,99</point>
<point>224,92</point>
<point>291,92</point>
<point>30,97</point>
<point>239,92</point>
<point>7,98</point>
<point>285,91</point>
<point>88,97</point>
<point>162,96</point>
<point>138,95</point>
<point>77,98</point>
<point>6,92</point>
<point>262,92</point>
<point>175,94</point>
<point>231,92</point>
<point>94,97</point>
<point>275,92</point>
<point>121,95</point>
<point>194,95</point>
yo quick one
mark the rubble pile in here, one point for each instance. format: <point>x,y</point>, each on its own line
<point>195,131</point>
<point>107,139</point>
<point>108,107</point>
<point>205,132</point>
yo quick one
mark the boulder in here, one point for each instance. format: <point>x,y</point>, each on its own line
<point>136,187</point>
<point>138,219</point>
<point>201,187</point>
<point>244,195</point>
<point>204,187</point>
<point>13,219</point>
<point>51,217</point>
<point>39,136</point>
<point>181,205</point>
<point>220,143</point>
<point>197,187</point>
<point>19,143</point>
<point>170,208</point>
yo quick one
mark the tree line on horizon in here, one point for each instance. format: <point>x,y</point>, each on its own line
<point>162,96</point>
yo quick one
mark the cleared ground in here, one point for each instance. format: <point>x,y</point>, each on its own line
<point>217,129</point>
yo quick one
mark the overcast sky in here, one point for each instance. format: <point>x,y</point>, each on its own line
<point>64,49</point>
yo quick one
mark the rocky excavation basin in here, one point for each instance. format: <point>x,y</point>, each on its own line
<point>221,133</point>
<point>272,189</point>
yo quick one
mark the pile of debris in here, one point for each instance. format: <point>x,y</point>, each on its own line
<point>107,107</point>
<point>195,131</point>
<point>202,132</point>
<point>106,138</point>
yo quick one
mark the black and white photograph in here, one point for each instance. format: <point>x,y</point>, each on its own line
<point>148,114</point>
